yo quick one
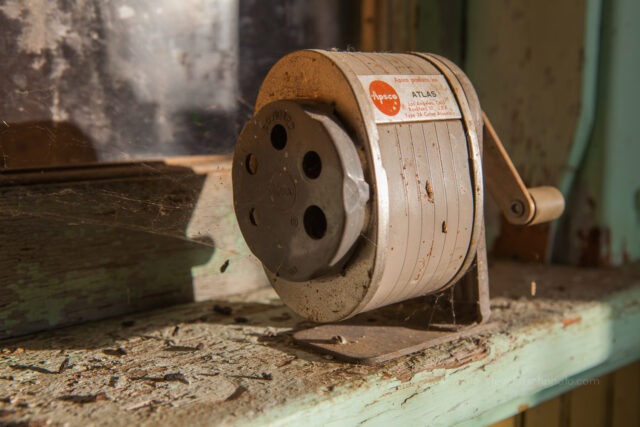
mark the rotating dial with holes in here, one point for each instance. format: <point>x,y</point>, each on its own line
<point>302,204</point>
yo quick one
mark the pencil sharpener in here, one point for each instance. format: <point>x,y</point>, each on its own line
<point>359,183</point>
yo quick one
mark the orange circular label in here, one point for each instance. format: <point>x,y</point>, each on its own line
<point>384,97</point>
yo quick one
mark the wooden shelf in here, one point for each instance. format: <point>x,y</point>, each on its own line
<point>194,364</point>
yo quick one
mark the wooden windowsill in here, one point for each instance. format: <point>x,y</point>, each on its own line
<point>193,364</point>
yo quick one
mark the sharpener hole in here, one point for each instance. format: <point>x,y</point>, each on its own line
<point>312,165</point>
<point>278,137</point>
<point>315,222</point>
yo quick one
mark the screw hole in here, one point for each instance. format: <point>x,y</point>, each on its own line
<point>312,165</point>
<point>253,217</point>
<point>278,137</point>
<point>315,222</point>
<point>517,208</point>
<point>251,163</point>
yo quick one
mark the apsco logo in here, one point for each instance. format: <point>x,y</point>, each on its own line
<point>384,97</point>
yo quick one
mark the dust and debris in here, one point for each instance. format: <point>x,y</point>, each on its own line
<point>270,332</point>
<point>224,310</point>
<point>444,227</point>
<point>281,318</point>
<point>83,398</point>
<point>15,350</point>
<point>532,288</point>
<point>128,323</point>
<point>177,376</point>
<point>142,404</point>
<point>117,381</point>
<point>267,376</point>
<point>339,339</point>
<point>64,365</point>
<point>571,321</point>
<point>239,392</point>
<point>236,379</point>
<point>197,347</point>
<point>224,266</point>
<point>173,376</point>
<point>118,351</point>
<point>34,368</point>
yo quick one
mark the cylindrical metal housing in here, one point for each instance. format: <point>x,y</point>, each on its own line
<point>398,138</point>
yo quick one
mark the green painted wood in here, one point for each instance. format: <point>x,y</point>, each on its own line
<point>563,101</point>
<point>440,28</point>
<point>603,222</point>
<point>580,324</point>
<point>525,60</point>
<point>529,79</point>
<point>588,96</point>
<point>86,243</point>
<point>625,395</point>
<point>525,364</point>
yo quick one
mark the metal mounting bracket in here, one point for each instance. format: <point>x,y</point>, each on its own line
<point>460,311</point>
<point>374,337</point>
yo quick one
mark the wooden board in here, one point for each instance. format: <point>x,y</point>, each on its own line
<point>602,226</point>
<point>610,400</point>
<point>199,364</point>
<point>529,80</point>
<point>529,84</point>
<point>587,405</point>
<point>85,243</point>
<point>546,414</point>
<point>625,410</point>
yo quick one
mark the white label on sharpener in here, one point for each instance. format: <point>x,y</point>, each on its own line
<point>410,98</point>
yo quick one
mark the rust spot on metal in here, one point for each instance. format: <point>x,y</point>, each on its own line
<point>429,189</point>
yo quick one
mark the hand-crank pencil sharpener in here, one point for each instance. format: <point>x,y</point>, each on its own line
<point>358,183</point>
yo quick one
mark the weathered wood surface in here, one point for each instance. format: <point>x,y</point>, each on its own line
<point>529,84</point>
<point>194,365</point>
<point>84,243</point>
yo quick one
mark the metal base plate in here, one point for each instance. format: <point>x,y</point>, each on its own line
<point>409,326</point>
<point>373,344</point>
